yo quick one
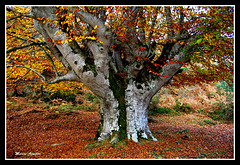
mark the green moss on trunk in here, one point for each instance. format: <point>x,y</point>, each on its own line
<point>100,126</point>
<point>118,86</point>
<point>90,66</point>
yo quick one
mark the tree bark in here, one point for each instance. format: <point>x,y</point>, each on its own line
<point>124,113</point>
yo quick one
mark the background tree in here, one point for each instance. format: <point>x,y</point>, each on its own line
<point>125,54</point>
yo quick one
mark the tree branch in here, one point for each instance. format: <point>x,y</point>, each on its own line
<point>181,37</point>
<point>102,16</point>
<point>25,46</point>
<point>48,55</point>
<point>103,32</point>
<point>20,14</point>
<point>151,47</point>
<point>40,75</point>
<point>181,19</point>
<point>131,26</point>
<point>142,35</point>
<point>70,76</point>
<point>55,51</point>
<point>169,22</point>
<point>153,24</point>
<point>90,19</point>
<point>17,37</point>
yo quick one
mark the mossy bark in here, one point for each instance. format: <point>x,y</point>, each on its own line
<point>90,66</point>
<point>130,112</point>
<point>118,86</point>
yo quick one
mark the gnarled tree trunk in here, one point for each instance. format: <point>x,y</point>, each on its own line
<point>124,113</point>
<point>121,82</point>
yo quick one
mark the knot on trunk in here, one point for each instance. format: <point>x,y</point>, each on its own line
<point>135,68</point>
<point>138,66</point>
<point>101,49</point>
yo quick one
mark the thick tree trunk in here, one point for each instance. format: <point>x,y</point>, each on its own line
<point>124,114</point>
<point>137,101</point>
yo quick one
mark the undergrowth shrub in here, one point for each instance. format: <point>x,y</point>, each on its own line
<point>64,95</point>
<point>224,86</point>
<point>214,99</point>
<point>222,111</point>
<point>90,97</point>
<point>154,107</point>
<point>179,107</point>
<point>152,111</point>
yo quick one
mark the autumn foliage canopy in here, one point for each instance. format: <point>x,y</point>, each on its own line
<point>29,60</point>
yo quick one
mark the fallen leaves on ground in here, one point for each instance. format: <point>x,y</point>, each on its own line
<point>31,134</point>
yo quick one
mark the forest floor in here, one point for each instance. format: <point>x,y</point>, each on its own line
<point>37,130</point>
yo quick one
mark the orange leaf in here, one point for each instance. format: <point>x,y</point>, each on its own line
<point>58,33</point>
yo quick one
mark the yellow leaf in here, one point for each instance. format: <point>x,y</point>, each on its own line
<point>95,27</point>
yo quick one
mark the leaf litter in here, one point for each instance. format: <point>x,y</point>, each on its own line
<point>32,134</point>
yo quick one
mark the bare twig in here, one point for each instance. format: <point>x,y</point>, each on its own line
<point>25,46</point>
<point>70,76</point>
<point>40,75</point>
<point>48,55</point>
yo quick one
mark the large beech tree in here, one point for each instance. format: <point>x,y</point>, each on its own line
<point>125,54</point>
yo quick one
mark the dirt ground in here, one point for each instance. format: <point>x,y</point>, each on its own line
<point>35,131</point>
